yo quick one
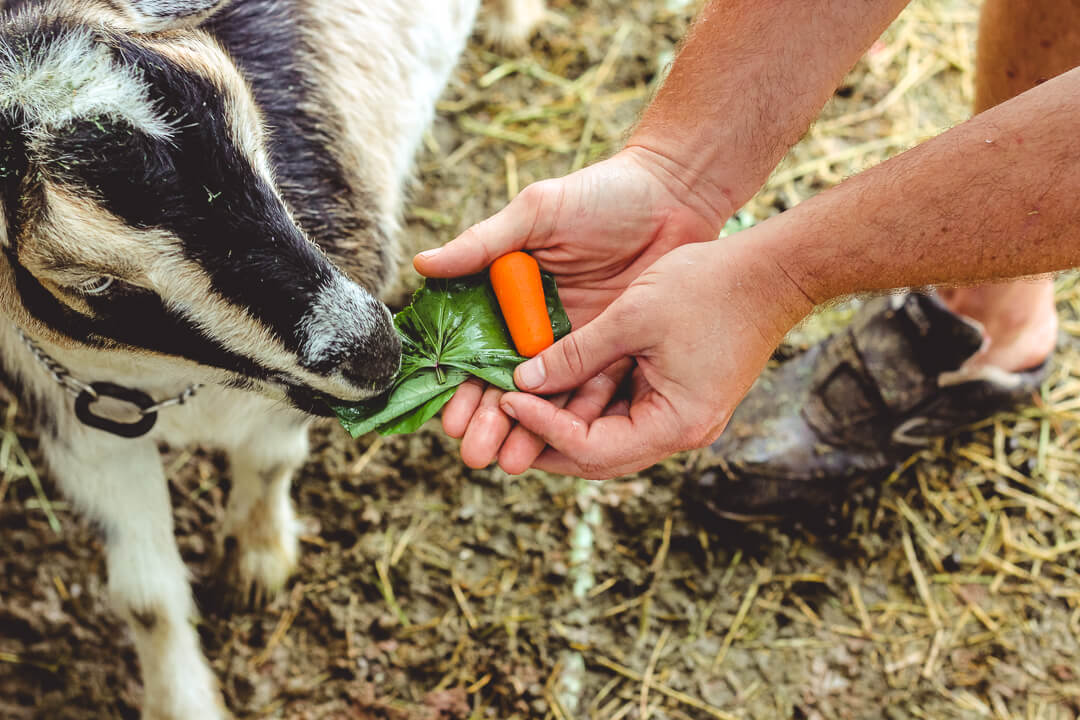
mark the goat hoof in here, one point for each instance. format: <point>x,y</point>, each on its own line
<point>250,575</point>
<point>509,31</point>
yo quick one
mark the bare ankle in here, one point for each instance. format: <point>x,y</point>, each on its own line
<point>1018,318</point>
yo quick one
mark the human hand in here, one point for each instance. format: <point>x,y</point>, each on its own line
<point>596,230</point>
<point>700,324</point>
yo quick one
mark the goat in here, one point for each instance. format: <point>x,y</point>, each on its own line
<point>200,200</point>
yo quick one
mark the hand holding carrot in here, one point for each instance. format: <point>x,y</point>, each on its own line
<point>596,230</point>
<point>697,327</point>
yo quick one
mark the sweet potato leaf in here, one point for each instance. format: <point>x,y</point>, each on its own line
<point>451,330</point>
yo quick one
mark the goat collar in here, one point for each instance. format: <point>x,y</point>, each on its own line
<point>86,394</point>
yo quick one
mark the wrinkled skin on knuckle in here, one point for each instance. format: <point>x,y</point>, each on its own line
<point>576,426</point>
<point>595,470</point>
<point>490,416</point>
<point>566,432</point>
<point>531,199</point>
<point>541,202</point>
<point>535,194</point>
<point>573,358</point>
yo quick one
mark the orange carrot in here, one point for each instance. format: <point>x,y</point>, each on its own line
<point>516,280</point>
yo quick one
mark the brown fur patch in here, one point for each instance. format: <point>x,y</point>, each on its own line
<point>145,619</point>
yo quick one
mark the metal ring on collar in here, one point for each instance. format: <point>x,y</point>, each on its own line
<point>139,399</point>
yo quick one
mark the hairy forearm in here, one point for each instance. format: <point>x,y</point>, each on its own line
<point>749,79</point>
<point>995,197</point>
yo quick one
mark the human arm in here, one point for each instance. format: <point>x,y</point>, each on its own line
<point>748,80</point>
<point>992,198</point>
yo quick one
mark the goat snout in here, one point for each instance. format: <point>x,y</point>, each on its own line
<point>372,361</point>
<point>349,336</point>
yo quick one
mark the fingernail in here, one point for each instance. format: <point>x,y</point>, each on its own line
<point>428,254</point>
<point>508,409</point>
<point>532,374</point>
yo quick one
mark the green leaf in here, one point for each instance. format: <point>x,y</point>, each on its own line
<point>407,396</point>
<point>560,323</point>
<point>500,377</point>
<point>413,421</point>
<point>452,329</point>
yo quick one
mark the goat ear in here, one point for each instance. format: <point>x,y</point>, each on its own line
<point>154,15</point>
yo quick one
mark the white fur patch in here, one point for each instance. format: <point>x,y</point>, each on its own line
<point>76,77</point>
<point>341,313</point>
<point>387,85</point>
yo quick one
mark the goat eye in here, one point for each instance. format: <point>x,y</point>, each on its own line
<point>96,286</point>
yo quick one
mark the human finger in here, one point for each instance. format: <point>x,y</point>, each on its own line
<point>609,446</point>
<point>459,410</point>
<point>521,224</point>
<point>523,446</point>
<point>576,358</point>
<point>487,429</point>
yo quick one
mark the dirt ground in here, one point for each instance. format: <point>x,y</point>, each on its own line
<point>429,591</point>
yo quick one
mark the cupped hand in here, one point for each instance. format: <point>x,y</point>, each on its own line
<point>596,230</point>
<point>699,325</point>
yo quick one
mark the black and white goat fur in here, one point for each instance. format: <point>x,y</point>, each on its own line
<point>206,191</point>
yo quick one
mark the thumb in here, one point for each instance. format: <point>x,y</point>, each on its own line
<point>576,359</point>
<point>515,227</point>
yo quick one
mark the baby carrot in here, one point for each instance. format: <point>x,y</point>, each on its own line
<point>515,277</point>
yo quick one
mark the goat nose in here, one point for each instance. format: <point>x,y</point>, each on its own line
<point>374,364</point>
<point>349,333</point>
